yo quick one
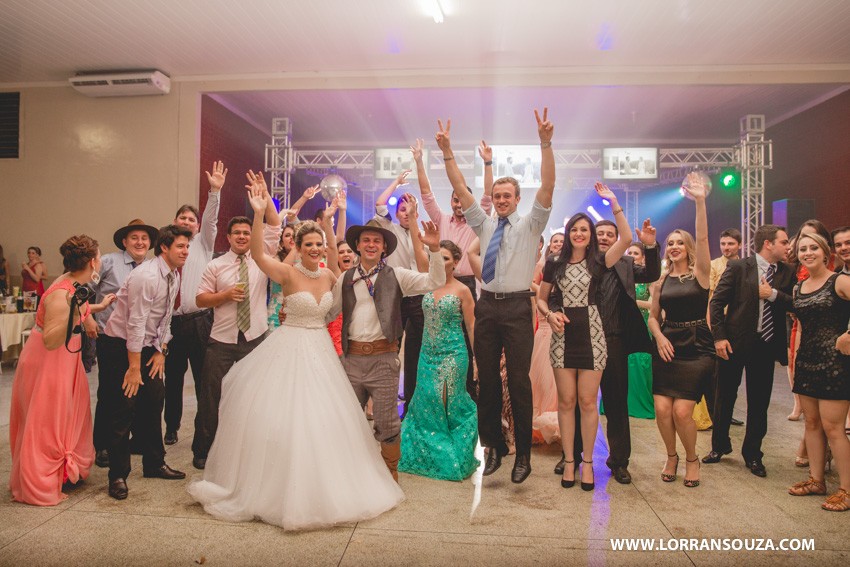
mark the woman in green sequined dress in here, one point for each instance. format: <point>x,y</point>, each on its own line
<point>439,433</point>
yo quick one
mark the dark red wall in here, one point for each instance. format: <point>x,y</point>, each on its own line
<point>811,160</point>
<point>227,137</point>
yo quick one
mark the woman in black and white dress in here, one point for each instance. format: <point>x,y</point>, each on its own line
<point>578,350</point>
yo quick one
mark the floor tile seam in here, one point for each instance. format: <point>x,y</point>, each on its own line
<point>27,532</point>
<point>345,549</point>
<point>204,519</point>
<point>512,535</point>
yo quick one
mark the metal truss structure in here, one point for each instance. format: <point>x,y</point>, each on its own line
<point>753,155</point>
<point>756,157</point>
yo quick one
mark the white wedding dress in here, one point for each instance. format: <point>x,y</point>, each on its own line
<point>293,447</point>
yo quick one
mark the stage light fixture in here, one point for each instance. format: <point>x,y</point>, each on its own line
<point>593,212</point>
<point>606,202</point>
<point>729,179</point>
<point>392,202</point>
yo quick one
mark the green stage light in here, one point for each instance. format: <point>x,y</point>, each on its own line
<point>728,180</point>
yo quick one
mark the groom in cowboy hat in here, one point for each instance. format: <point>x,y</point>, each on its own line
<point>369,296</point>
<point>134,241</point>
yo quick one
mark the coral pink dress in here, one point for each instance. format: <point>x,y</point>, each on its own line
<point>50,424</point>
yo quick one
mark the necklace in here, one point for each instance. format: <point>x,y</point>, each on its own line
<point>309,273</point>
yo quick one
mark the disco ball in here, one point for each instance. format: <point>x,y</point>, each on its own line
<point>706,180</point>
<point>331,185</point>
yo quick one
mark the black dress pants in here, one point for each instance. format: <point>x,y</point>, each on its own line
<point>413,321</point>
<point>189,343</point>
<point>145,406</point>
<point>504,323</point>
<point>759,364</point>
<point>105,403</point>
<point>219,359</point>
<point>615,397</point>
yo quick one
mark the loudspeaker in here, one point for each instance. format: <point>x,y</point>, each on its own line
<point>792,213</point>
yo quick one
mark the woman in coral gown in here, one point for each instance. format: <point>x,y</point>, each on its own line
<point>50,425</point>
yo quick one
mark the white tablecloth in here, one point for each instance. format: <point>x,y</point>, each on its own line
<point>11,327</point>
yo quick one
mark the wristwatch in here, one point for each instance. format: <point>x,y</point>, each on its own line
<point>164,350</point>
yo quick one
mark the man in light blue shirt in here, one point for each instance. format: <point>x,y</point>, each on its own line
<point>503,314</point>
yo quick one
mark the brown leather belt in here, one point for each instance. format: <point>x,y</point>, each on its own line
<point>380,346</point>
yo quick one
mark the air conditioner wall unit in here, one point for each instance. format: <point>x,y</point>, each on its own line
<point>135,83</point>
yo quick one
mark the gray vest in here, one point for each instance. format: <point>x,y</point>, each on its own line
<point>387,303</point>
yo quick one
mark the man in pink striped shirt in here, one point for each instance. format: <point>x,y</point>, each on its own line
<point>135,343</point>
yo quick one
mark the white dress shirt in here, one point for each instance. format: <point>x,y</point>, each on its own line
<point>518,250</point>
<point>402,256</point>
<point>200,254</point>
<point>223,273</point>
<point>365,325</point>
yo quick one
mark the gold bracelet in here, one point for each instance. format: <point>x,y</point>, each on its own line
<point>545,145</point>
<point>615,211</point>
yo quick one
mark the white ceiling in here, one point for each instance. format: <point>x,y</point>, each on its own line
<point>657,70</point>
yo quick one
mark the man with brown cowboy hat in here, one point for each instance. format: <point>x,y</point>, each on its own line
<point>369,296</point>
<point>134,241</point>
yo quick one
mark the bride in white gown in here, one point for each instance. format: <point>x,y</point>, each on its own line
<point>293,447</point>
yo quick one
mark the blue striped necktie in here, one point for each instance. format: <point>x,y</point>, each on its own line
<point>767,327</point>
<point>488,270</point>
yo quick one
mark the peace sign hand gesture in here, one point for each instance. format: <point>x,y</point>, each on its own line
<point>545,129</point>
<point>442,136</point>
<point>416,150</point>
<point>485,151</point>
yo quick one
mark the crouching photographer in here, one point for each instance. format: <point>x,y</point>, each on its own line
<point>50,426</point>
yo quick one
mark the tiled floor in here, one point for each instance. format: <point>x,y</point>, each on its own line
<point>535,523</point>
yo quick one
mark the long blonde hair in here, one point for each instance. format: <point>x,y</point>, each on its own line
<point>690,249</point>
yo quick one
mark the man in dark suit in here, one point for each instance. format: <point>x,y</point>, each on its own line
<point>750,335</point>
<point>625,333</point>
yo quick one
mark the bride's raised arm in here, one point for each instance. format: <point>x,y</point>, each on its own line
<point>259,199</point>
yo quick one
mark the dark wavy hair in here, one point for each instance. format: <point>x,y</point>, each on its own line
<point>592,254</point>
<point>167,236</point>
<point>452,248</point>
<point>78,251</point>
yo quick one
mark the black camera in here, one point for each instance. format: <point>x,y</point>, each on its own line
<point>82,293</point>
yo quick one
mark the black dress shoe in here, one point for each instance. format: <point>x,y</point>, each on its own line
<point>621,475</point>
<point>199,462</point>
<point>118,489</point>
<point>494,461</point>
<point>170,437</point>
<point>165,472</point>
<point>736,422</point>
<point>714,456</point>
<point>522,468</point>
<point>757,468</point>
<point>101,459</point>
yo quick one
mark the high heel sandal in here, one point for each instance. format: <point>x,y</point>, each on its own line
<point>587,486</point>
<point>838,502</point>
<point>568,483</point>
<point>670,477</point>
<point>801,461</point>
<point>689,482</point>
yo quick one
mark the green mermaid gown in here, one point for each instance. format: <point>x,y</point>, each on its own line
<point>438,437</point>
